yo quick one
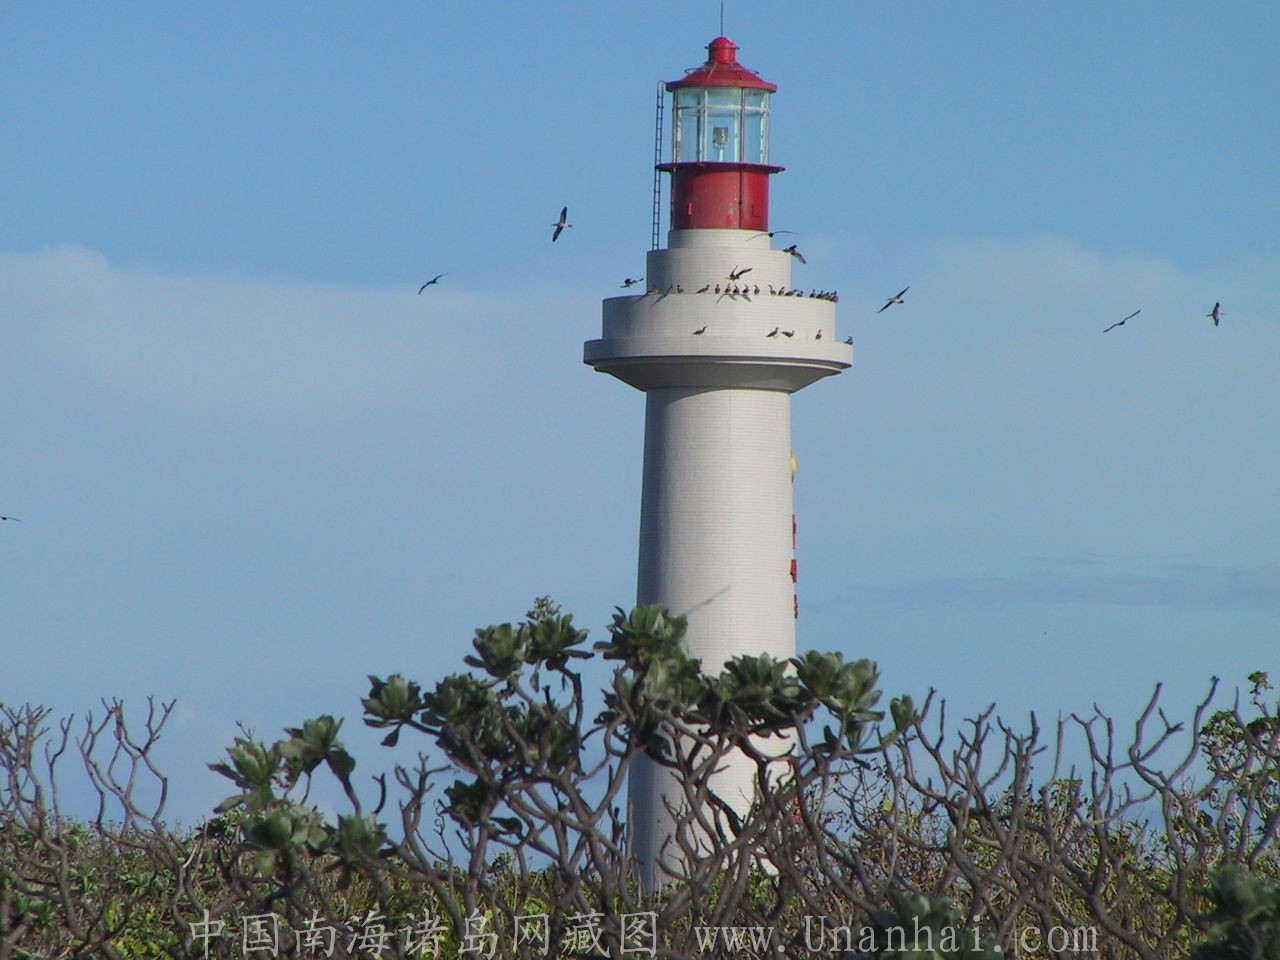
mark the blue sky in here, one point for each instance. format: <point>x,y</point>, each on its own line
<point>252,465</point>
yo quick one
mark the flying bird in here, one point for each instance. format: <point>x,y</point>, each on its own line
<point>892,300</point>
<point>1121,322</point>
<point>795,253</point>
<point>435,279</point>
<point>629,282</point>
<point>14,519</point>
<point>736,274</point>
<point>771,233</point>
<point>848,340</point>
<point>1215,313</point>
<point>561,223</point>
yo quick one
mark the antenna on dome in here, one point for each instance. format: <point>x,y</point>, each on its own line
<point>722,18</point>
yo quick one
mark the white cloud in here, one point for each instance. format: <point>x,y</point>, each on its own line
<point>242,347</point>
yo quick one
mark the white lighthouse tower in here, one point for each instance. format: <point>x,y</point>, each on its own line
<point>718,344</point>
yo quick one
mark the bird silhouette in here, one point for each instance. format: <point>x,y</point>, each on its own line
<point>774,332</point>
<point>14,519</point>
<point>736,274</point>
<point>848,340</point>
<point>561,224</point>
<point>705,289</point>
<point>629,282</point>
<point>1215,313</point>
<point>897,298</point>
<point>819,335</point>
<point>788,333</point>
<point>701,330</point>
<point>771,233</point>
<point>1120,323</point>
<point>795,253</point>
<point>435,279</point>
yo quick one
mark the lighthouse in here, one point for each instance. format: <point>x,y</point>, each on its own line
<point>718,343</point>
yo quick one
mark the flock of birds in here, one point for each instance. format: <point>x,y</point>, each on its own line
<point>732,288</point>
<point>1215,315</point>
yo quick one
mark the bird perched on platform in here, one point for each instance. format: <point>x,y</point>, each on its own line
<point>774,332</point>
<point>795,253</point>
<point>849,340</point>
<point>700,331</point>
<point>1120,323</point>
<point>561,224</point>
<point>1215,313</point>
<point>435,279</point>
<point>705,289</point>
<point>896,298</point>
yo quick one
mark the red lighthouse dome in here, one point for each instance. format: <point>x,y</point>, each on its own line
<point>720,145</point>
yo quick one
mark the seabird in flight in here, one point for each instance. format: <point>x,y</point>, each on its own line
<point>435,279</point>
<point>795,253</point>
<point>892,300</point>
<point>1215,313</point>
<point>630,282</point>
<point>561,223</point>
<point>736,274</point>
<point>1120,323</point>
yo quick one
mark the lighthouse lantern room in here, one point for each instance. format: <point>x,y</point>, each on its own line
<point>720,144</point>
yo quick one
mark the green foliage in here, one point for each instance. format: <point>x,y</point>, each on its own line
<point>317,742</point>
<point>255,769</point>
<point>1244,923</point>
<point>643,636</point>
<point>529,832</point>
<point>925,927</point>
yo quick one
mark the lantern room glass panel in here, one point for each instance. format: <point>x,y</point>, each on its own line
<point>755,126</point>
<point>688,126</point>
<point>723,133</point>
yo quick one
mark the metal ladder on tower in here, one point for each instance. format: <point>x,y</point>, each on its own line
<point>657,174</point>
